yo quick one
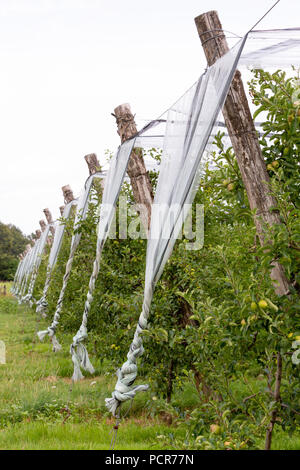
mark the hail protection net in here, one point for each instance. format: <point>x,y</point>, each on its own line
<point>272,48</point>
<point>32,257</point>
<point>41,246</point>
<point>189,124</point>
<point>58,236</point>
<point>112,186</point>
<point>82,207</point>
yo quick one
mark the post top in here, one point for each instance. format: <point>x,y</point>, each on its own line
<point>42,224</point>
<point>92,163</point>
<point>67,193</point>
<point>207,13</point>
<point>122,109</point>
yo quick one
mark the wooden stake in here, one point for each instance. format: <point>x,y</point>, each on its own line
<point>94,167</point>
<point>92,163</point>
<point>49,219</point>
<point>241,129</point>
<point>42,225</point>
<point>68,194</point>
<point>137,172</point>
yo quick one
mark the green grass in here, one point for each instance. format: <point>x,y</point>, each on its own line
<point>35,391</point>
<point>35,388</point>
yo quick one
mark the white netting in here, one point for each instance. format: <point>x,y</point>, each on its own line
<point>272,48</point>
<point>190,122</point>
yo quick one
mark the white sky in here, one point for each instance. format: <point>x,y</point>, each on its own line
<point>65,66</point>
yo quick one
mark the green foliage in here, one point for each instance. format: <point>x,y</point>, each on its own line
<point>12,243</point>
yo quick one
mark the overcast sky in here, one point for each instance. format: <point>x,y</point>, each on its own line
<point>65,66</point>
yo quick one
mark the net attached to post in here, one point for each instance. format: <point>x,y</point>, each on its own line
<point>42,304</point>
<point>81,213</point>
<point>28,268</point>
<point>36,265</point>
<point>17,276</point>
<point>112,187</point>
<point>271,48</point>
<point>189,125</point>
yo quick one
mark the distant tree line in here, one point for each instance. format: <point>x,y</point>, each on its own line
<point>12,243</point>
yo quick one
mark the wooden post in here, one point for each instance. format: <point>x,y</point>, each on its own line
<point>49,219</point>
<point>68,194</point>
<point>241,129</point>
<point>95,167</point>
<point>42,225</point>
<point>92,163</point>
<point>4,289</point>
<point>61,210</point>
<point>137,172</point>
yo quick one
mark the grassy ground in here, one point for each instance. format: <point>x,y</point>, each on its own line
<point>35,391</point>
<point>38,409</point>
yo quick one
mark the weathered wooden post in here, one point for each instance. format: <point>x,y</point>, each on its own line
<point>42,225</point>
<point>67,193</point>
<point>4,289</point>
<point>241,130</point>
<point>49,219</point>
<point>92,163</point>
<point>95,167</point>
<point>137,172</point>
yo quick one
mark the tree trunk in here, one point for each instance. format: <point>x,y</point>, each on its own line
<point>241,129</point>
<point>137,172</point>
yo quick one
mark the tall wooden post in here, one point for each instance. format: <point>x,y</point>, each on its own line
<point>137,172</point>
<point>92,163</point>
<point>49,219</point>
<point>42,225</point>
<point>241,129</point>
<point>68,194</point>
<point>94,167</point>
